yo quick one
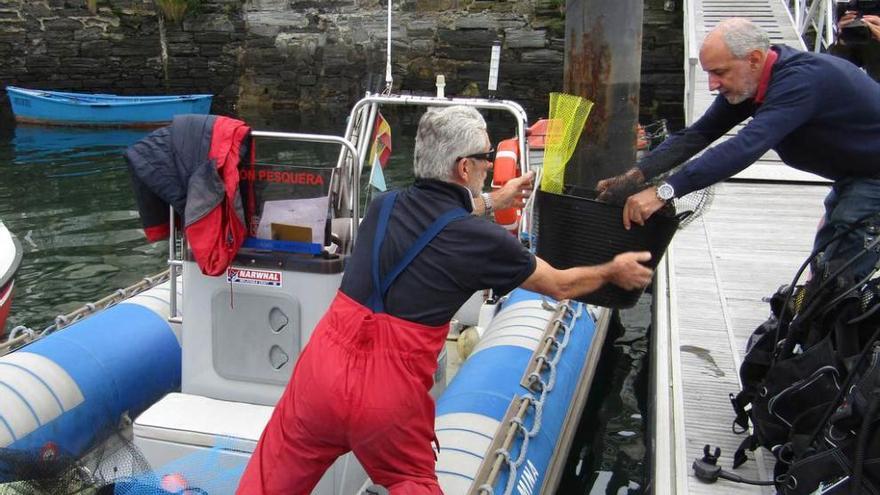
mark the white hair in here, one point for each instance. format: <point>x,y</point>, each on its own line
<point>446,134</point>
<point>742,36</point>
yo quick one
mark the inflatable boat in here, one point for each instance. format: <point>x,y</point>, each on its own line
<point>190,370</point>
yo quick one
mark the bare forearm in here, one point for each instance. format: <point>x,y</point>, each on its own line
<point>480,203</point>
<point>583,280</point>
<point>626,271</point>
<point>566,284</point>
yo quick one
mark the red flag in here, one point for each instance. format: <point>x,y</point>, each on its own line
<point>382,142</point>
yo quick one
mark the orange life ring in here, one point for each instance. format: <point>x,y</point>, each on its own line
<point>506,167</point>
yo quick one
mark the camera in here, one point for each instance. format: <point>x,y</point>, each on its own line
<point>856,32</point>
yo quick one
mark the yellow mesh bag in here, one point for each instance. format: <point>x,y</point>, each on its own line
<point>568,113</point>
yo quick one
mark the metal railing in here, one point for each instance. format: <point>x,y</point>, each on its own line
<point>815,15</point>
<point>176,252</point>
<point>691,59</point>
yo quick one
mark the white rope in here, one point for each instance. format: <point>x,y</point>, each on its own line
<point>21,334</point>
<point>538,404</point>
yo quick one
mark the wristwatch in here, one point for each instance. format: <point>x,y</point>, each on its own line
<point>488,207</point>
<point>665,192</point>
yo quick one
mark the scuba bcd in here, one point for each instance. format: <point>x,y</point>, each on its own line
<point>811,383</point>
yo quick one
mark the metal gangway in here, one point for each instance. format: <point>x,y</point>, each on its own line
<point>710,286</point>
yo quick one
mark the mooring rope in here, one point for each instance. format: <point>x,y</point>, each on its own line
<point>22,334</point>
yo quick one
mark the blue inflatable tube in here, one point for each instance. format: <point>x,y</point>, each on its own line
<point>69,390</point>
<point>471,409</point>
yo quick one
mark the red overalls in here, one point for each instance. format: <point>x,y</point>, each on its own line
<point>361,384</point>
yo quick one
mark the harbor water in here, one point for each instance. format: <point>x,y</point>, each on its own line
<point>66,194</point>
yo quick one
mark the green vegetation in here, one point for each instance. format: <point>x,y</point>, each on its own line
<point>175,10</point>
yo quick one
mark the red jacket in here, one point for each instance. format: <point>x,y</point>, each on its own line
<point>193,166</point>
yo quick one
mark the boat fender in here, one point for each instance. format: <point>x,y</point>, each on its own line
<point>467,341</point>
<point>505,168</point>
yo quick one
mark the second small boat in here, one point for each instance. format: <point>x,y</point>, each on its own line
<point>33,106</point>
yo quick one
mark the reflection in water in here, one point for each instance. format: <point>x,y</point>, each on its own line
<point>65,192</point>
<point>609,453</point>
<point>75,151</point>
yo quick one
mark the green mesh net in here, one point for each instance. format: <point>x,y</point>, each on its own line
<point>568,114</point>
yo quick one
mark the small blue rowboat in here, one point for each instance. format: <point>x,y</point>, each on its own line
<point>59,108</point>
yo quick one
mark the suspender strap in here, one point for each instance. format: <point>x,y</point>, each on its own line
<point>427,236</point>
<point>375,301</point>
<point>381,285</point>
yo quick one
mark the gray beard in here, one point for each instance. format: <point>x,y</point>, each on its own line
<point>741,97</point>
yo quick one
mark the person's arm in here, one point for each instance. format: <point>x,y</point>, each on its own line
<point>788,105</point>
<point>680,146</point>
<point>873,23</point>
<point>785,109</point>
<point>675,150</point>
<point>514,194</point>
<point>625,270</point>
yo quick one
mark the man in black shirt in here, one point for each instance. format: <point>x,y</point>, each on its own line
<point>362,384</point>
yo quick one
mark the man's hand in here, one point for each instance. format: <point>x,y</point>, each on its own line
<point>628,272</point>
<point>514,193</point>
<point>617,189</point>
<point>873,23</point>
<point>639,207</point>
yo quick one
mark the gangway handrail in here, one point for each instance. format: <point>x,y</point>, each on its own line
<point>815,14</point>
<point>691,59</point>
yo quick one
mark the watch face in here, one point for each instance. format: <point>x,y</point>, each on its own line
<point>665,192</point>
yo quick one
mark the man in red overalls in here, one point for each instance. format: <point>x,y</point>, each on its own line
<point>362,383</point>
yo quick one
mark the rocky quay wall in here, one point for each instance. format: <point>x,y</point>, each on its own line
<point>122,46</point>
<point>276,55</point>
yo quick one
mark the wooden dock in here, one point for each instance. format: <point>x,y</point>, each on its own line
<point>714,278</point>
<point>711,285</point>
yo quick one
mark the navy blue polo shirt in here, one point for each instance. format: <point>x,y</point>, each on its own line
<point>470,254</point>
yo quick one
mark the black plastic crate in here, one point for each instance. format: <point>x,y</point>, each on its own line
<point>577,230</point>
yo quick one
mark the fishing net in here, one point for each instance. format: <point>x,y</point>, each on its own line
<point>697,202</point>
<point>206,471</point>
<point>568,114</point>
<point>29,473</point>
<point>53,471</point>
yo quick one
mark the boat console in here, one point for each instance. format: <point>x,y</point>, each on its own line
<point>242,334</point>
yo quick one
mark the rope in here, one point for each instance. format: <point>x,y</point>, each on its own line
<point>21,334</point>
<point>538,403</point>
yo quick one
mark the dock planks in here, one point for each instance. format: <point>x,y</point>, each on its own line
<point>719,268</point>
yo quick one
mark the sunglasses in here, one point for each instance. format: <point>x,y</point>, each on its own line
<point>486,155</point>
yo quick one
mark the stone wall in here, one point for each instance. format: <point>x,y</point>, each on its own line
<point>299,54</point>
<point>302,52</point>
<point>118,48</point>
